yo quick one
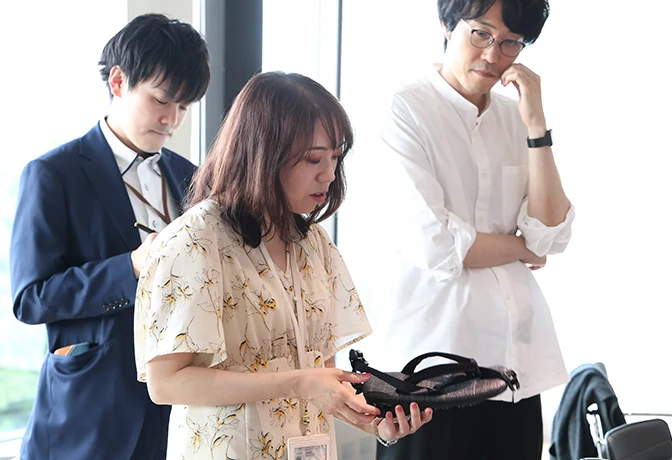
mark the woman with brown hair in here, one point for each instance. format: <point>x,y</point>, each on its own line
<point>244,300</point>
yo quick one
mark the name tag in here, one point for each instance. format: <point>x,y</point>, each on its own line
<point>313,447</point>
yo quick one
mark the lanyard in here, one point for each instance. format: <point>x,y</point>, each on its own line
<point>297,314</point>
<point>165,216</point>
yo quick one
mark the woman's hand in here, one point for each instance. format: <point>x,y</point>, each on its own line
<point>397,425</point>
<point>325,388</point>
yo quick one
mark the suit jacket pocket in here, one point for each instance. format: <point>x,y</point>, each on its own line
<point>81,400</point>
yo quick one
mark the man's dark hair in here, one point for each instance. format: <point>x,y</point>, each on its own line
<point>271,126</point>
<point>167,50</point>
<point>522,17</point>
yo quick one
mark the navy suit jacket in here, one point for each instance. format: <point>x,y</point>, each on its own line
<point>71,270</point>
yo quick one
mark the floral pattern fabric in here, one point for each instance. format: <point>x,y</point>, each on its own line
<point>204,291</point>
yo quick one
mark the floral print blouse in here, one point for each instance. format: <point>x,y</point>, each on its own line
<point>204,291</point>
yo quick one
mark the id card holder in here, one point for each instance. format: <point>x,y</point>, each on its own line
<point>312,447</point>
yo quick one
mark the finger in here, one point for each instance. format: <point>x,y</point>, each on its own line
<point>521,67</point>
<point>354,377</point>
<point>427,415</point>
<point>525,72</point>
<point>508,74</point>
<point>416,416</point>
<point>389,427</point>
<point>402,421</point>
<point>355,417</point>
<point>519,79</point>
<point>517,85</point>
<point>358,404</point>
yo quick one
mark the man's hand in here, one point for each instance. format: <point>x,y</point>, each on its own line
<point>139,255</point>
<point>533,261</point>
<point>530,106</point>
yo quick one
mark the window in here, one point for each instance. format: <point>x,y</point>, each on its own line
<point>301,36</point>
<point>53,93</point>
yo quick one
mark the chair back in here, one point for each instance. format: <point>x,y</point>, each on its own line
<point>646,440</point>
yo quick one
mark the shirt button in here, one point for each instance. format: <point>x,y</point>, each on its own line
<point>154,223</point>
<point>146,187</point>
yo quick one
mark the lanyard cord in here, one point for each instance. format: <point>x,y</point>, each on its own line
<point>165,215</point>
<point>297,314</point>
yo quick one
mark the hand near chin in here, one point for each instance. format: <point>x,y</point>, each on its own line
<point>530,106</point>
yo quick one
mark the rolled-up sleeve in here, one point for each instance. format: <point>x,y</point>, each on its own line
<point>432,236</point>
<point>541,239</point>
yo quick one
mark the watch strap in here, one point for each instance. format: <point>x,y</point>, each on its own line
<point>545,141</point>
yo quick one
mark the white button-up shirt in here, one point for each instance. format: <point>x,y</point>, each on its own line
<point>144,175</point>
<point>450,174</point>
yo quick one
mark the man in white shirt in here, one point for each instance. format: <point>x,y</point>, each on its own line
<point>477,203</point>
<point>76,255</point>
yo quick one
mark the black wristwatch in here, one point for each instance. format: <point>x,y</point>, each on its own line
<point>540,141</point>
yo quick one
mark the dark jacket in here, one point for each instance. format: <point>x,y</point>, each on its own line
<point>71,270</point>
<point>570,436</point>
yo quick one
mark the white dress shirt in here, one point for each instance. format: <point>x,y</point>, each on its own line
<point>144,175</point>
<point>449,174</point>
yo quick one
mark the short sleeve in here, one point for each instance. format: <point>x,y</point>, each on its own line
<point>179,296</point>
<point>346,321</point>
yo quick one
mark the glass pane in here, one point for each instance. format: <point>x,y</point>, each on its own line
<point>54,94</point>
<point>374,65</point>
<point>302,36</point>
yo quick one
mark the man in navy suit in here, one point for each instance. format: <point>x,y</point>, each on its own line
<point>75,253</point>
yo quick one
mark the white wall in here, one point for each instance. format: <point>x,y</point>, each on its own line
<point>606,98</point>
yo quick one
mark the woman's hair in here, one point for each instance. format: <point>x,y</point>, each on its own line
<point>270,126</point>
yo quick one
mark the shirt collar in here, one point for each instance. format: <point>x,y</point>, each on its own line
<point>467,111</point>
<point>122,153</point>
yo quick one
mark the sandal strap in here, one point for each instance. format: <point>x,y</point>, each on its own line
<point>441,370</point>
<point>466,366</point>
<point>409,368</point>
<point>359,364</point>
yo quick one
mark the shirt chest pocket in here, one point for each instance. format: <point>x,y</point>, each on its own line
<point>514,189</point>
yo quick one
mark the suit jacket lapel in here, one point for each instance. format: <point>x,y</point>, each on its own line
<point>103,172</point>
<point>175,178</point>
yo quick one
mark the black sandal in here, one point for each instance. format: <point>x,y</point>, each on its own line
<point>443,386</point>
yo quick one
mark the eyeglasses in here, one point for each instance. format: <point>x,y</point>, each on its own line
<point>482,39</point>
